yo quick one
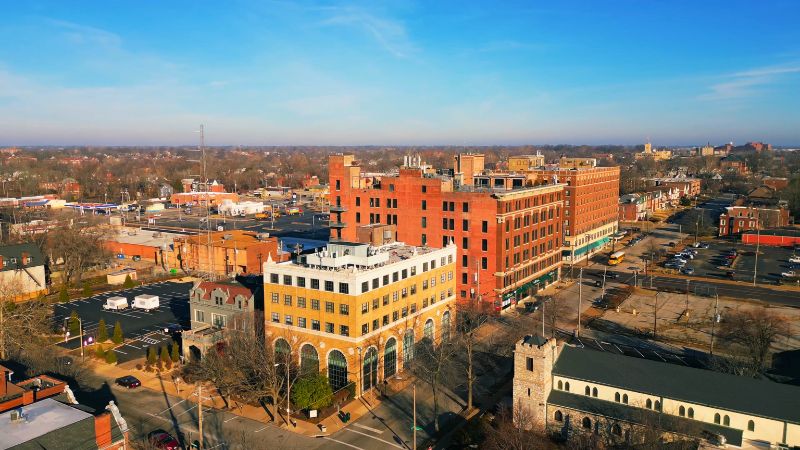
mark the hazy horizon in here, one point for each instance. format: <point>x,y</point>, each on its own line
<point>284,73</point>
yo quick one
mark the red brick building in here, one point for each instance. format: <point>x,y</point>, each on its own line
<point>591,208</point>
<point>739,219</point>
<point>508,234</point>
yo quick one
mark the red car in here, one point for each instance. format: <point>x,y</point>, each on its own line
<point>162,440</point>
<point>128,381</point>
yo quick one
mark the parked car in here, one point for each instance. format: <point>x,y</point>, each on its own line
<point>173,328</point>
<point>705,245</point>
<point>790,274</point>
<point>128,381</point>
<point>672,265</point>
<point>64,360</point>
<point>794,259</point>
<point>687,270</point>
<point>162,440</point>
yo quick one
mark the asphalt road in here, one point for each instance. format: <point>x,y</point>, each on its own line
<point>389,425</point>
<point>141,329</point>
<point>709,288</point>
<point>145,410</point>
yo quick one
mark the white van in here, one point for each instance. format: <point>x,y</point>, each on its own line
<point>114,303</point>
<point>146,302</point>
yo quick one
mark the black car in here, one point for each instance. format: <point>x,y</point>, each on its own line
<point>128,381</point>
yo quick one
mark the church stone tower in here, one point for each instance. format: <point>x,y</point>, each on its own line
<point>534,357</point>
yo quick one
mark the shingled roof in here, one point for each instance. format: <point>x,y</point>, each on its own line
<point>714,389</point>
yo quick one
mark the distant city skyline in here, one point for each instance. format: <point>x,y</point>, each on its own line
<point>400,73</point>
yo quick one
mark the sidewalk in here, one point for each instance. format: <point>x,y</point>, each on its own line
<point>162,382</point>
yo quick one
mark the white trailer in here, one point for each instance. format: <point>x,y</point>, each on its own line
<point>146,302</point>
<point>114,303</point>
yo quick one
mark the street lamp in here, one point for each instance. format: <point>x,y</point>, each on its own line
<point>288,418</point>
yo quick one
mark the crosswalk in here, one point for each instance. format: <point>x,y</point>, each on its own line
<point>364,437</point>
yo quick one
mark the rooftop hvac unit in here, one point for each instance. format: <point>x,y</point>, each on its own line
<point>262,236</point>
<point>227,237</point>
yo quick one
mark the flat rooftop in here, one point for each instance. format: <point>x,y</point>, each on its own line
<point>359,256</point>
<point>147,238</point>
<point>236,239</point>
<point>42,417</point>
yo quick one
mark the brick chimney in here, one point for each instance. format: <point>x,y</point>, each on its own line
<point>102,429</point>
<point>3,374</point>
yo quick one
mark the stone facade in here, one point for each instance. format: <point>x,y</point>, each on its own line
<point>533,381</point>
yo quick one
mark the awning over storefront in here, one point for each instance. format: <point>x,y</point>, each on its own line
<point>543,279</point>
<point>586,248</point>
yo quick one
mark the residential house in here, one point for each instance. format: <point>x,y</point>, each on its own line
<point>22,272</point>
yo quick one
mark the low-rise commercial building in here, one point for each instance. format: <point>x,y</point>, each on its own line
<point>227,253</point>
<point>356,312</point>
<point>572,390</point>
<point>203,198</point>
<point>41,413</point>
<point>157,247</point>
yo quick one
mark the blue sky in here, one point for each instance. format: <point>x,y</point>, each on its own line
<point>399,72</point>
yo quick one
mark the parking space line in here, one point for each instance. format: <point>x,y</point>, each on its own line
<point>120,351</point>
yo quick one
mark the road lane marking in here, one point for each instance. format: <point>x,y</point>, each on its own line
<point>261,429</point>
<point>232,418</point>
<point>374,430</point>
<point>373,437</point>
<point>340,442</point>
<point>120,351</point>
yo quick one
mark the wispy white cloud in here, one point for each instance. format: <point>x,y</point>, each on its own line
<point>83,34</point>
<point>390,34</point>
<point>746,83</point>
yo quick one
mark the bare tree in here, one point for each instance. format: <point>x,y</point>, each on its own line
<point>470,318</point>
<point>507,433</point>
<point>22,324</point>
<point>753,332</point>
<point>433,364</point>
<point>242,365</point>
<point>78,247</point>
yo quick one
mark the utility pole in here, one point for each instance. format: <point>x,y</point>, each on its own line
<point>580,298</point>
<point>603,296</point>
<point>713,324</point>
<point>415,418</point>
<point>655,316</point>
<point>200,413</point>
<point>687,299</point>
<point>80,333</point>
<point>758,245</point>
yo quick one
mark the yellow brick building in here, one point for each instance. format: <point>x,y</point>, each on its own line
<point>354,311</point>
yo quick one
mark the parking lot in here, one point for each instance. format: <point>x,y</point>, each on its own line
<point>141,329</point>
<point>772,261</point>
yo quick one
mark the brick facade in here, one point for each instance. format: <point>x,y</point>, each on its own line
<point>509,237</point>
